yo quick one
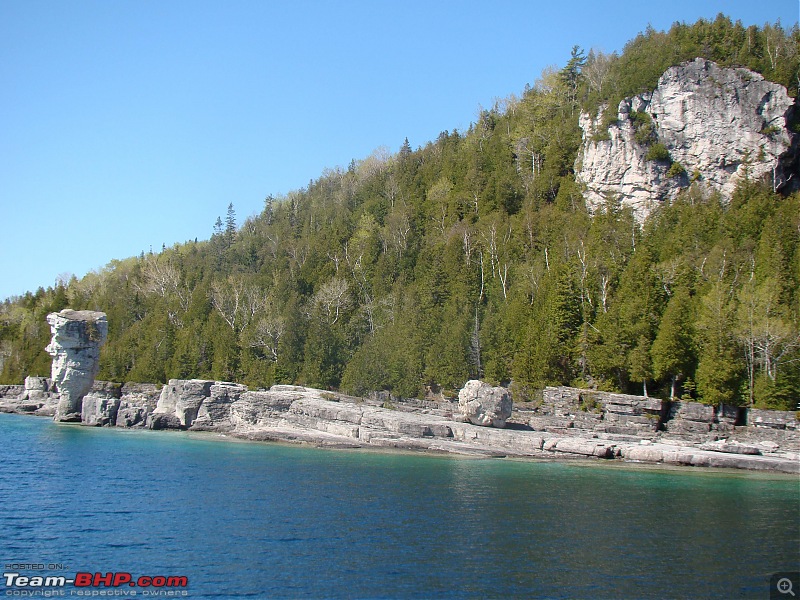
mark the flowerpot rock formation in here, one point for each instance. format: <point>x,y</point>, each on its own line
<point>75,348</point>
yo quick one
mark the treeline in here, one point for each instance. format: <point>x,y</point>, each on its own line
<point>473,256</point>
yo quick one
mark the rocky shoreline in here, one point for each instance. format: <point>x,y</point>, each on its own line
<point>569,423</point>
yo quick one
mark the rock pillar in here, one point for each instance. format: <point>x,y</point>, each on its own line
<point>75,348</point>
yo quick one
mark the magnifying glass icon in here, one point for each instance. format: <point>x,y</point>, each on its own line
<point>784,586</point>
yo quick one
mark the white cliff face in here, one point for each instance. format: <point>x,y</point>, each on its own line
<point>75,348</point>
<point>720,124</point>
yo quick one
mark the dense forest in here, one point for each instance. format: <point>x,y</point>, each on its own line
<point>474,256</point>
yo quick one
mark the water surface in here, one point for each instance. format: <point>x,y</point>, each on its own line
<point>275,521</point>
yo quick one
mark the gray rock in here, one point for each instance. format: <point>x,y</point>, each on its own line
<point>521,443</point>
<point>643,453</point>
<point>730,447</point>
<point>164,421</point>
<point>151,391</point>
<point>75,348</point>
<point>37,396</point>
<point>773,419</point>
<point>99,410</point>
<point>138,401</point>
<point>183,399</point>
<point>106,389</point>
<point>727,415</point>
<point>131,415</point>
<point>257,407</point>
<point>768,446</point>
<point>583,447</point>
<point>564,408</point>
<point>691,420</point>
<point>215,411</point>
<point>37,384</point>
<point>11,391</point>
<point>723,123</point>
<point>485,405</point>
<point>551,423</point>
<point>692,411</point>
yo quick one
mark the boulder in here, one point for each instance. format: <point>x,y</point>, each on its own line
<point>183,399</point>
<point>75,348</point>
<point>35,386</point>
<point>484,404</point>
<point>99,410</point>
<point>131,415</point>
<point>164,421</point>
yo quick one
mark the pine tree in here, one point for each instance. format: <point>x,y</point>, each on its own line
<point>230,223</point>
<point>720,368</point>
<point>673,348</point>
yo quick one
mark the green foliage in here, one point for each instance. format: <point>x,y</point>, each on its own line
<point>658,152</point>
<point>770,50</point>
<point>474,256</point>
<point>676,169</point>
<point>643,128</point>
<point>673,349</point>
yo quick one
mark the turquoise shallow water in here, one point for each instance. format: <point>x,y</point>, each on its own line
<point>273,521</point>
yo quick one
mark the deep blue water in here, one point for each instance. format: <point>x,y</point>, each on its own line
<point>273,521</point>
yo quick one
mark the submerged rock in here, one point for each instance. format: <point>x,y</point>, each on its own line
<point>75,348</point>
<point>482,404</point>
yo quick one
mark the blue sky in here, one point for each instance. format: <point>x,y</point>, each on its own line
<point>125,125</point>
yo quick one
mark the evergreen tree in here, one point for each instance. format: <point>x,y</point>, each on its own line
<point>673,348</point>
<point>230,223</point>
<point>474,255</point>
<point>719,368</point>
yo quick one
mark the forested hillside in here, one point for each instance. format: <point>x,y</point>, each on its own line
<point>474,256</point>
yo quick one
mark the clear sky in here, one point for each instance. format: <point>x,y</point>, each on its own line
<point>125,125</point>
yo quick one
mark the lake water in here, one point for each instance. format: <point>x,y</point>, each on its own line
<point>274,521</point>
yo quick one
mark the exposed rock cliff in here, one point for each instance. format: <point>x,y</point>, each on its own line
<point>75,348</point>
<point>717,124</point>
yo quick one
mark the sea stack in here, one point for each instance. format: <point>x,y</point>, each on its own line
<point>75,348</point>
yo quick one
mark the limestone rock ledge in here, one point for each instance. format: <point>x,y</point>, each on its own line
<point>619,427</point>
